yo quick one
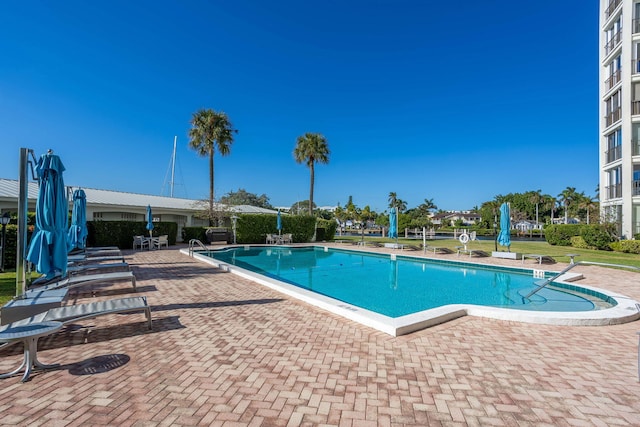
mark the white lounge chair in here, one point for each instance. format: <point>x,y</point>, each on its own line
<point>82,259</point>
<point>27,330</point>
<point>77,312</point>
<point>89,279</point>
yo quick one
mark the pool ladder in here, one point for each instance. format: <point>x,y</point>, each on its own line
<point>543,283</point>
<point>193,243</point>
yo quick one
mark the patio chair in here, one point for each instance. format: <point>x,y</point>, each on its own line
<point>271,239</point>
<point>162,241</point>
<point>287,238</point>
<point>141,242</point>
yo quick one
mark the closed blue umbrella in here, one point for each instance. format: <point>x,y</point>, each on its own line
<point>393,224</point>
<point>149,221</point>
<point>48,246</point>
<point>279,222</point>
<point>504,237</point>
<point>77,236</point>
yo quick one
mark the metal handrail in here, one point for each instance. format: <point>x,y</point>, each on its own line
<point>551,279</point>
<point>196,242</point>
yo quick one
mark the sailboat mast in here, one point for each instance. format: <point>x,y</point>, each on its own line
<point>173,163</point>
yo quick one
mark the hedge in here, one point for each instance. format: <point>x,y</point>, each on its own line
<point>254,228</point>
<point>561,234</point>
<point>120,233</point>
<point>626,246</point>
<point>325,229</point>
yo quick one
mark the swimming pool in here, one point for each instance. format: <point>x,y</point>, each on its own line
<point>399,294</point>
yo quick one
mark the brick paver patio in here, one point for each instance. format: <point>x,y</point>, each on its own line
<point>225,351</point>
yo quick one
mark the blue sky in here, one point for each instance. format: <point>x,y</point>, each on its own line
<point>451,101</point>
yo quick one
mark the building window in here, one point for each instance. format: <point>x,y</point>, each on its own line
<point>612,108</point>
<point>636,180</point>
<point>613,5</point>
<point>614,189</point>
<point>614,145</point>
<point>128,216</point>
<point>613,35</point>
<point>615,73</point>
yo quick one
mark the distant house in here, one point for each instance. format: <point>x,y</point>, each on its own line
<point>451,217</point>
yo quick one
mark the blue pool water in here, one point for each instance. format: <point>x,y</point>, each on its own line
<point>402,286</point>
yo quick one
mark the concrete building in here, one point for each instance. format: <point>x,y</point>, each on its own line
<point>106,205</point>
<point>620,114</point>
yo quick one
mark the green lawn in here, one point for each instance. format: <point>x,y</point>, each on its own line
<point>7,286</point>
<point>557,252</point>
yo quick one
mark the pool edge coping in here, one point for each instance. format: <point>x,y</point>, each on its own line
<point>625,310</point>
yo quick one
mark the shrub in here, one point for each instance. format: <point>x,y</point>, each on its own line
<point>596,236</point>
<point>626,246</point>
<point>189,233</point>
<point>578,242</point>
<point>561,234</point>
<point>328,228</point>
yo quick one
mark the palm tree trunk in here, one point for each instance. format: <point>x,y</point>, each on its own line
<point>211,186</point>
<point>311,189</point>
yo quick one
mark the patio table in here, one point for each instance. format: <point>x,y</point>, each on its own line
<point>29,335</point>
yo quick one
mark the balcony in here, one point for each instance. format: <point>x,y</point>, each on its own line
<point>635,67</point>
<point>611,44</point>
<point>613,5</point>
<point>614,191</point>
<point>635,107</point>
<point>614,153</point>
<point>636,26</point>
<point>613,116</point>
<point>635,146</point>
<point>613,80</point>
<point>636,187</point>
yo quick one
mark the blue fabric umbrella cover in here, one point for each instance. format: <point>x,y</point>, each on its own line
<point>77,235</point>
<point>149,221</point>
<point>504,237</point>
<point>278,222</point>
<point>48,246</point>
<point>393,224</point>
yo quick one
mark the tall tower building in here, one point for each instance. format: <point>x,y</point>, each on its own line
<point>620,114</point>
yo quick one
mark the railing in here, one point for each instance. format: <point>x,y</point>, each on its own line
<point>614,191</point>
<point>636,187</point>
<point>613,5</point>
<point>612,80</point>
<point>614,153</point>
<point>195,242</point>
<point>612,117</point>
<point>613,43</point>
<point>635,146</point>
<point>543,283</point>
<point>636,26</point>
<point>635,107</point>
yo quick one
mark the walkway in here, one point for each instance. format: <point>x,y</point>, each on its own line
<point>225,351</point>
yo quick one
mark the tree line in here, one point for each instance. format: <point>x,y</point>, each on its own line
<point>212,132</point>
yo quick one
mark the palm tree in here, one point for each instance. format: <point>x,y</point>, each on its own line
<point>395,202</point>
<point>211,131</point>
<point>566,197</point>
<point>536,199</point>
<point>311,148</point>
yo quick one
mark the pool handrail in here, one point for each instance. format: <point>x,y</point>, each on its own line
<point>543,283</point>
<point>196,242</point>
